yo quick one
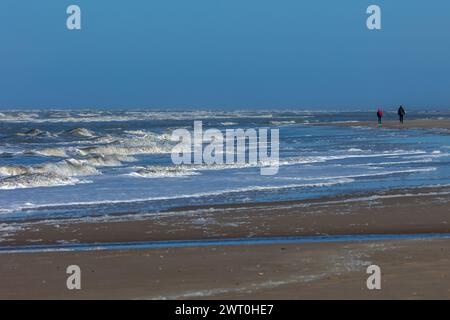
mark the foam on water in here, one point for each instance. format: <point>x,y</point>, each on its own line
<point>35,180</point>
<point>47,158</point>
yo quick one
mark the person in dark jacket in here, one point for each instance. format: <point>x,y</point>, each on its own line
<point>401,113</point>
<point>379,115</point>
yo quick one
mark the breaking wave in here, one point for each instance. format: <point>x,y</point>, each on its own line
<point>51,152</point>
<point>45,175</point>
<point>163,172</point>
<point>67,168</point>
<point>108,150</point>
<point>364,175</point>
<point>281,123</point>
<point>81,132</point>
<point>193,169</point>
<point>35,133</point>
<point>197,195</point>
<point>107,161</point>
<point>37,180</point>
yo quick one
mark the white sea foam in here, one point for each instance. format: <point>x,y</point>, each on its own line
<point>104,116</point>
<point>391,196</point>
<point>35,133</point>
<point>280,123</point>
<point>363,175</point>
<point>186,170</point>
<point>81,132</point>
<point>434,155</point>
<point>108,150</point>
<point>10,227</point>
<point>136,132</point>
<point>325,158</point>
<point>37,180</point>
<point>107,161</point>
<point>163,172</point>
<point>52,152</point>
<point>13,170</point>
<point>388,163</point>
<point>194,195</point>
<point>7,231</point>
<point>65,168</point>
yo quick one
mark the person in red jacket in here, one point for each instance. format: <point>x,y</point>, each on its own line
<point>379,115</point>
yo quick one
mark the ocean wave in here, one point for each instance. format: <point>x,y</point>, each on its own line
<point>35,133</point>
<point>388,163</point>
<point>136,132</point>
<point>191,169</point>
<point>107,161</point>
<point>141,136</point>
<point>55,116</point>
<point>51,152</point>
<point>96,140</point>
<point>280,123</point>
<point>163,172</point>
<point>6,155</point>
<point>434,154</point>
<point>37,180</point>
<point>108,150</point>
<point>74,116</point>
<point>164,137</point>
<point>65,168</point>
<point>81,132</point>
<point>362,175</point>
<point>326,158</point>
<point>46,175</point>
<point>143,143</point>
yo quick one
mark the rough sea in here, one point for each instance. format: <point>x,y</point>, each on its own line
<point>81,163</point>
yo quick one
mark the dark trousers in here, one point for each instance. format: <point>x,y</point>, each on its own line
<point>401,118</point>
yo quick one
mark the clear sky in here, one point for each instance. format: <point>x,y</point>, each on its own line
<point>224,53</point>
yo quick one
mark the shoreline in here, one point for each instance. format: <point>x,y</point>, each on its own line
<point>316,248</point>
<point>227,242</point>
<point>418,210</point>
<point>383,228</point>
<point>442,124</point>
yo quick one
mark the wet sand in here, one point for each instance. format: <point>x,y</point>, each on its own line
<point>410,268</point>
<point>443,124</point>
<point>422,210</point>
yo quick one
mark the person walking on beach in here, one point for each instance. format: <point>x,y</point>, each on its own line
<point>379,115</point>
<point>401,114</point>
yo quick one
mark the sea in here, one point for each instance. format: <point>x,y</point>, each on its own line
<point>101,163</point>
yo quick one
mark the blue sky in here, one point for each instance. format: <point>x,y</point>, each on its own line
<point>224,53</point>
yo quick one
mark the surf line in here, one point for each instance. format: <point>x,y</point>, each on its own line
<point>74,247</point>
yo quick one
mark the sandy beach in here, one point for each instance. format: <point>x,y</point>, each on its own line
<point>224,150</point>
<point>411,268</point>
<point>380,190</point>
